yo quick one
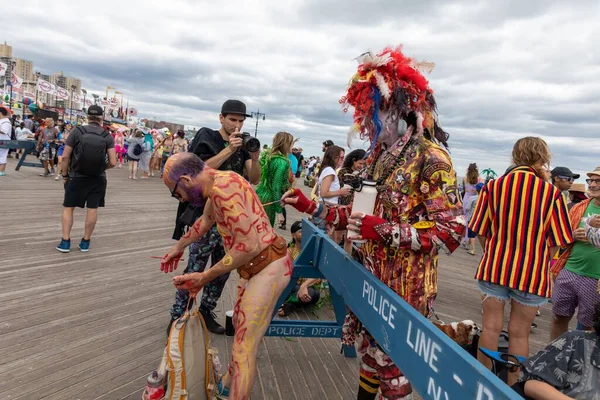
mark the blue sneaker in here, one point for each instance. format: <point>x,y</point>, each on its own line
<point>84,245</point>
<point>64,246</point>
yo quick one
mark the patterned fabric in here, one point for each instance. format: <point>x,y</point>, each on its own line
<point>571,364</point>
<point>593,234</point>
<point>520,230</point>
<point>378,370</point>
<point>274,181</point>
<point>572,291</point>
<point>209,245</point>
<point>347,177</point>
<point>420,191</point>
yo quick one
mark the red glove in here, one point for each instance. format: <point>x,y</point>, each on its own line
<point>367,229</point>
<point>302,203</point>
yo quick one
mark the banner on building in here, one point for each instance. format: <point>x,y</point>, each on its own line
<point>16,81</point>
<point>114,102</point>
<point>45,86</point>
<point>76,98</point>
<point>104,102</point>
<point>62,93</point>
<point>3,68</point>
<point>88,102</point>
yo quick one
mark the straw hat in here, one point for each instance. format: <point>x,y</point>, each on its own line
<point>594,172</point>
<point>577,187</point>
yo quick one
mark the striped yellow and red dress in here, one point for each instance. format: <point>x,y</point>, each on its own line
<point>522,216</point>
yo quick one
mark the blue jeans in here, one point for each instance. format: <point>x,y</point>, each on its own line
<point>505,293</point>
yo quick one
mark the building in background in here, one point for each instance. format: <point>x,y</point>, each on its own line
<point>173,127</point>
<point>5,50</point>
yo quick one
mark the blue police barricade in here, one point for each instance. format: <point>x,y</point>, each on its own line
<point>436,366</point>
<point>28,145</point>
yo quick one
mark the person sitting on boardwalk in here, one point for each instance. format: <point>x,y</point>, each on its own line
<point>568,368</point>
<point>306,292</point>
<point>417,211</point>
<point>252,247</point>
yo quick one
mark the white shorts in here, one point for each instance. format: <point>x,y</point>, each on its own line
<point>3,155</point>
<point>3,152</point>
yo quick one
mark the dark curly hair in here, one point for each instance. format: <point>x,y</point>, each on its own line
<point>352,157</point>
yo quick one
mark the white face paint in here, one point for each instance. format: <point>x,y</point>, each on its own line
<point>391,130</point>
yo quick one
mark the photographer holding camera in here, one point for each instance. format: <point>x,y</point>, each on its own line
<point>227,149</point>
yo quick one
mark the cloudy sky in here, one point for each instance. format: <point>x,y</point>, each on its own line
<point>504,69</point>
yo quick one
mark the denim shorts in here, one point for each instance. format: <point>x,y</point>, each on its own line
<point>504,293</point>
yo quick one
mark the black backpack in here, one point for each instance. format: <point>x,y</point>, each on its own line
<point>137,149</point>
<point>89,154</point>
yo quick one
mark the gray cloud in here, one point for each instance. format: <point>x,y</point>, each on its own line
<point>503,69</point>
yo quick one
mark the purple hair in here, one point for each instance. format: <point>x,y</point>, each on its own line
<point>183,164</point>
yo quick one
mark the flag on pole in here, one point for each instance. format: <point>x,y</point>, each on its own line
<point>16,81</point>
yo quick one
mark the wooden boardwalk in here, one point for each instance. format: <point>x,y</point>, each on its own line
<point>92,325</point>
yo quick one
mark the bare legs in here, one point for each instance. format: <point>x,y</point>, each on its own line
<point>519,327</point>
<point>91,217</point>
<point>133,169</point>
<point>67,222</point>
<point>253,311</point>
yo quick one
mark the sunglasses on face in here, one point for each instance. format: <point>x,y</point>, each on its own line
<point>594,181</point>
<point>174,191</point>
<point>567,178</point>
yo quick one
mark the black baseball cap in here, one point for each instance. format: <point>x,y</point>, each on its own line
<point>328,143</point>
<point>564,171</point>
<point>234,107</point>
<point>296,226</point>
<point>95,111</point>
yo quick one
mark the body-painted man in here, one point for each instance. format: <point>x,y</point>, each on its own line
<point>252,247</point>
<point>417,211</point>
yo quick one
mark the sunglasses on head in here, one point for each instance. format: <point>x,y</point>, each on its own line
<point>567,178</point>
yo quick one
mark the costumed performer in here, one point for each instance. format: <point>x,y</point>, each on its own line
<point>417,210</point>
<point>275,174</point>
<point>120,146</point>
<point>252,247</point>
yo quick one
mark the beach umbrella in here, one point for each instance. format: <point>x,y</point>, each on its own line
<point>33,107</point>
<point>6,97</point>
<point>27,101</point>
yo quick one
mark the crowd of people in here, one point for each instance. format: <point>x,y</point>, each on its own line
<point>539,233</point>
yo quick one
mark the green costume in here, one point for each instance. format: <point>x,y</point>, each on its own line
<point>274,181</point>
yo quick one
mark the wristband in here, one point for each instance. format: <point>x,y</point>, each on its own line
<point>319,210</point>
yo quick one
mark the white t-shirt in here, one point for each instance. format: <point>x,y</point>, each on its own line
<point>22,133</point>
<point>335,185</point>
<point>5,129</point>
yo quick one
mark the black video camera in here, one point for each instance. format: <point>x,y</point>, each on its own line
<point>251,144</point>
